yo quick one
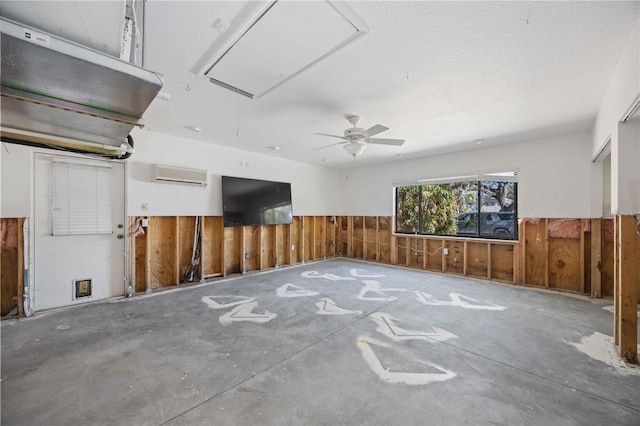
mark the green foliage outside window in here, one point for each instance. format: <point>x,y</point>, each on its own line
<point>452,209</point>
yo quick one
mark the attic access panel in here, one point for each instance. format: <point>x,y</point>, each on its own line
<point>283,41</point>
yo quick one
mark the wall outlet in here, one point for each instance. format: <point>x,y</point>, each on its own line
<point>293,247</point>
<point>144,207</point>
<point>445,251</point>
<point>145,222</point>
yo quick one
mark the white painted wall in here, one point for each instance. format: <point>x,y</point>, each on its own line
<point>15,180</point>
<point>623,89</point>
<point>314,189</point>
<point>625,137</point>
<point>556,177</point>
<point>606,187</point>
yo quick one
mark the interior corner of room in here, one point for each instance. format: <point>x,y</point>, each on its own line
<point>149,146</point>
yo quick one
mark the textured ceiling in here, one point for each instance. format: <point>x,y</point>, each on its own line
<point>439,74</point>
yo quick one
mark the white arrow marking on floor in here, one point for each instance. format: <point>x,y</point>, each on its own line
<point>216,305</point>
<point>244,313</point>
<point>387,326</point>
<point>283,291</point>
<point>371,286</point>
<point>361,273</point>
<point>330,277</point>
<point>327,306</point>
<point>372,360</point>
<point>456,300</point>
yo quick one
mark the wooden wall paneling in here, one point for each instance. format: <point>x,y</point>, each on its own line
<point>307,243</point>
<point>176,272</point>
<point>415,252</point>
<point>147,256</point>
<point>140,259</point>
<point>464,257</point>
<point>521,272</point>
<point>384,239</point>
<point>281,242</point>
<point>628,277</point>
<point>581,260</point>
<point>586,260</point>
<point>443,244</point>
<point>607,264</point>
<point>377,239</point>
<point>402,244</point>
<point>350,237</point>
<point>330,236</point>
<point>9,265</point>
<point>358,237</point>
<point>596,257</point>
<point>564,263</point>
<point>233,250</point>
<point>343,235</point>
<point>455,258</point>
<point>296,240</point>
<point>212,246</point>
<point>20,266</point>
<point>319,247</point>
<point>546,253</point>
<point>616,280</point>
<point>425,256</point>
<point>163,244</point>
<point>252,247</point>
<point>434,254</point>
<point>535,253</point>
<point>393,252</point>
<point>489,266</point>
<point>288,242</point>
<point>267,246</point>
<point>502,262</point>
<point>477,259</point>
<point>186,232</point>
<point>371,237</point>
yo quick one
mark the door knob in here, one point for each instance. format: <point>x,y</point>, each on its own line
<point>120,236</point>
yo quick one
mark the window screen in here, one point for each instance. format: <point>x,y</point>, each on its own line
<point>81,199</point>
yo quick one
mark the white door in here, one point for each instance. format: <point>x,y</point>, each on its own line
<point>99,256</point>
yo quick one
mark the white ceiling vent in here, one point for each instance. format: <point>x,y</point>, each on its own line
<point>280,41</point>
<point>181,175</point>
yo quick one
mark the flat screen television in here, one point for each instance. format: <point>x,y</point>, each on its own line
<point>248,202</point>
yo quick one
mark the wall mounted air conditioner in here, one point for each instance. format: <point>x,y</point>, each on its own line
<point>180,175</point>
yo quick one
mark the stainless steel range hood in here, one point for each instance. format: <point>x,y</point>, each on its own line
<point>54,87</point>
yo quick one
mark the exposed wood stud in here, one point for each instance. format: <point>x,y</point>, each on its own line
<point>425,254</point>
<point>20,270</point>
<point>581,261</point>
<point>489,270</point>
<point>444,257</point>
<point>546,253</point>
<point>596,257</point>
<point>464,259</point>
<point>628,248</point>
<point>616,280</point>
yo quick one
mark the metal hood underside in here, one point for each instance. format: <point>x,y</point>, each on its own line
<point>56,87</point>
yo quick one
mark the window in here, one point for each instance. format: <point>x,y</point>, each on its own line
<point>81,200</point>
<point>451,208</point>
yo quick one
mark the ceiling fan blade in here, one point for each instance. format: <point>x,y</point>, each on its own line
<point>380,141</point>
<point>333,144</point>
<point>374,130</point>
<point>331,136</point>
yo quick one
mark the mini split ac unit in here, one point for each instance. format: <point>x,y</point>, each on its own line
<point>181,175</point>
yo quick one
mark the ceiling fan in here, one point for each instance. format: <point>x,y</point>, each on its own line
<point>356,138</point>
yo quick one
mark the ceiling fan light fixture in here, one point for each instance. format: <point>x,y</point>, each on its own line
<point>355,148</point>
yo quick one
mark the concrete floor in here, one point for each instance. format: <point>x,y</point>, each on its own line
<point>354,353</point>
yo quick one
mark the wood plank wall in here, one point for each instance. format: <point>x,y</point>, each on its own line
<point>11,266</point>
<point>164,252</point>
